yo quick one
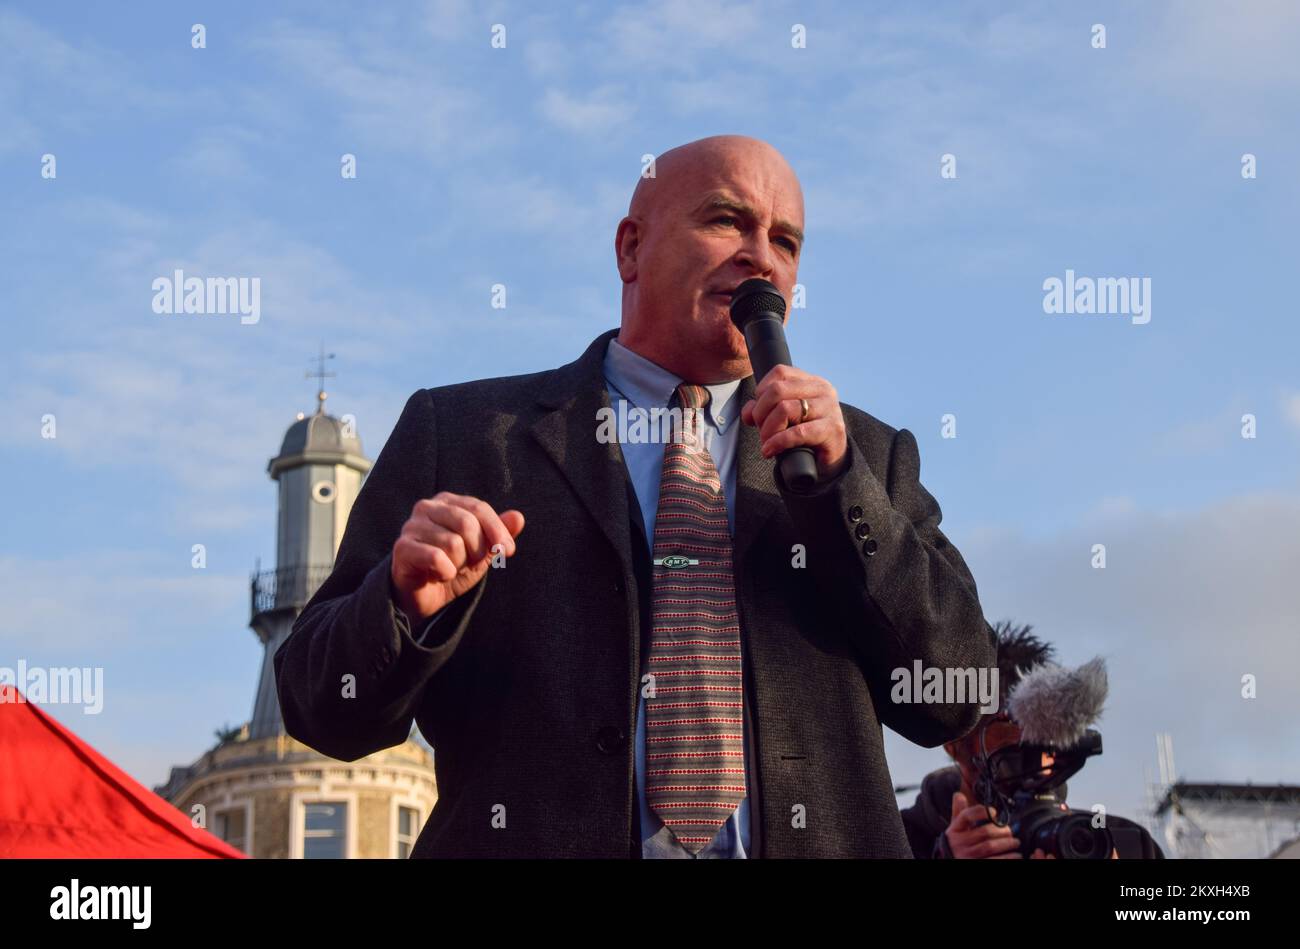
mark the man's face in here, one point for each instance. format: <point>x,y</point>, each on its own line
<point>999,733</point>
<point>723,218</point>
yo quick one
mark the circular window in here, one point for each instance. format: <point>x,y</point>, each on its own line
<point>323,491</point>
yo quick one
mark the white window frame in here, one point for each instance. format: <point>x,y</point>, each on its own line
<point>230,804</point>
<point>297,834</point>
<point>395,823</point>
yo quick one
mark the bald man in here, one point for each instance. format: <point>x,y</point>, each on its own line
<point>679,657</point>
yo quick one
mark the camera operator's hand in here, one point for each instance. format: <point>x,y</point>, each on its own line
<point>972,834</point>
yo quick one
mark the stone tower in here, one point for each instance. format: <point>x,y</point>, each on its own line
<point>259,789</point>
<point>319,471</point>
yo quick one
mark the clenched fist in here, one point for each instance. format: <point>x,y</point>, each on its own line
<point>445,548</point>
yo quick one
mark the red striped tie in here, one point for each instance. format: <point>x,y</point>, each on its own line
<point>695,752</point>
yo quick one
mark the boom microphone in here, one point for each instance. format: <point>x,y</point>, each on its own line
<point>1054,706</point>
<point>758,311</point>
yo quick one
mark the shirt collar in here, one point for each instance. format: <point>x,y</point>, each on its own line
<point>648,385</point>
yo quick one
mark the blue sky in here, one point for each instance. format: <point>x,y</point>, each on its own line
<point>478,166</point>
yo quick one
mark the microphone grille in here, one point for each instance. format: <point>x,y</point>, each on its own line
<point>753,297</point>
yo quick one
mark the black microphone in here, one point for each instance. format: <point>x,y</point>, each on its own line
<point>758,311</point>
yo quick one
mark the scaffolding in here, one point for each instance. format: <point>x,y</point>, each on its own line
<point>1219,821</point>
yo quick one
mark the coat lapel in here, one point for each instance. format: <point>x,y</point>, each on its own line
<point>570,398</point>
<point>757,498</point>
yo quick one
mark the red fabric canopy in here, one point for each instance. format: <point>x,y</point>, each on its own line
<point>61,798</point>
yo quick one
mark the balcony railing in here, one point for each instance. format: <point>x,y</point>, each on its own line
<point>287,588</point>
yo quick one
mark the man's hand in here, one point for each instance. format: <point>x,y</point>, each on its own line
<point>776,410</point>
<point>445,548</point>
<point>970,839</point>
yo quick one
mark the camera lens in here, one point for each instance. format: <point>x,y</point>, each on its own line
<point>1077,839</point>
<point>1066,836</point>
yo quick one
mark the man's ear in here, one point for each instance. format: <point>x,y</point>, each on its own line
<point>951,748</point>
<point>627,241</point>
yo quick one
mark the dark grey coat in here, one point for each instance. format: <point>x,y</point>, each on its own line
<point>527,686</point>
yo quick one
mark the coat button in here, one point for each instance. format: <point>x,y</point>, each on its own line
<point>869,547</point>
<point>618,586</point>
<point>862,530</point>
<point>609,740</point>
<point>855,513</point>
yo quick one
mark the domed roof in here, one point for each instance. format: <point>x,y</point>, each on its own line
<point>319,439</point>
<point>320,432</point>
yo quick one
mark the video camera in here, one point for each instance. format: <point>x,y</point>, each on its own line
<point>1029,797</point>
<point>1024,782</point>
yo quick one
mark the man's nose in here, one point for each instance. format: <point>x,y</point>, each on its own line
<point>756,251</point>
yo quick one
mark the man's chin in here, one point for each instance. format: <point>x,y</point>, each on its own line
<point>735,367</point>
<point>722,347</point>
<point>735,355</point>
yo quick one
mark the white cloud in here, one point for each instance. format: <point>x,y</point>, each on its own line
<point>89,83</point>
<point>1232,67</point>
<point>597,112</point>
<point>90,607</point>
<point>220,153</point>
<point>1112,508</point>
<point>548,59</point>
<point>672,34</point>
<point>215,405</point>
<point>387,91</point>
<point>1203,436</point>
<point>1291,409</point>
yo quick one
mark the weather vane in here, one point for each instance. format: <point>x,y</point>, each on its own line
<point>321,375</point>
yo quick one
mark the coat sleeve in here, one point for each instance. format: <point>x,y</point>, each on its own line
<point>350,674</point>
<point>895,583</point>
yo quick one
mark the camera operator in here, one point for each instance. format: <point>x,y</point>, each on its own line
<point>951,819</point>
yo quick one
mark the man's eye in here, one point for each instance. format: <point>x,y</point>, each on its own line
<point>788,241</point>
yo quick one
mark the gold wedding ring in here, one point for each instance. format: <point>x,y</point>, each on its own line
<point>804,404</point>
